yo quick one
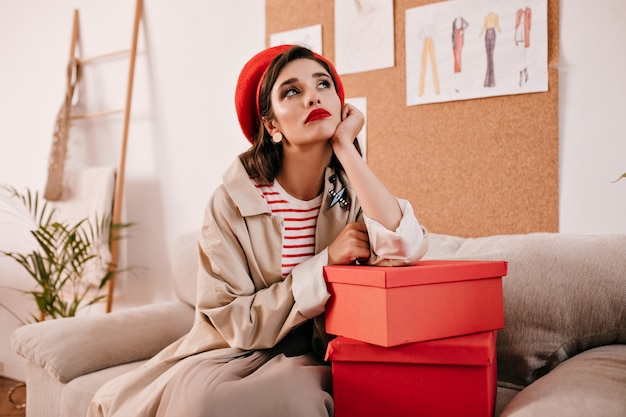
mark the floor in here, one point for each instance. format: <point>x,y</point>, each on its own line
<point>18,396</point>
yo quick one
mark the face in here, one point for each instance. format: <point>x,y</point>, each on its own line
<point>305,104</point>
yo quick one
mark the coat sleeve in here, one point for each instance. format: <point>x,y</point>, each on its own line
<point>248,311</point>
<point>404,246</point>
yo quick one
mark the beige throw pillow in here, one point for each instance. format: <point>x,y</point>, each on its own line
<point>563,294</point>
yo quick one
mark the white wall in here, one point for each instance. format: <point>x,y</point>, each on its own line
<point>592,96</point>
<point>184,130</point>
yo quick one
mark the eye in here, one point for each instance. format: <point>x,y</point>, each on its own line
<point>324,84</point>
<point>290,91</point>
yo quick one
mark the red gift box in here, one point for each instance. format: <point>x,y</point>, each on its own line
<point>390,306</point>
<point>440,378</point>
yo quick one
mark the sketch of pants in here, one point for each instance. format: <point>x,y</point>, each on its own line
<point>428,52</point>
<point>490,44</point>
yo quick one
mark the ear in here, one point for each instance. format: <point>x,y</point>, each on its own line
<point>270,126</point>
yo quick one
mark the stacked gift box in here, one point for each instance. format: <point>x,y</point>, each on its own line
<point>417,340</point>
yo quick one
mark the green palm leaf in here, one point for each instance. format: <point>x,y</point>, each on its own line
<point>63,252</point>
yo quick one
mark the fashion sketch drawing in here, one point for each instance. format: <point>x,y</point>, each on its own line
<point>459,25</point>
<point>522,40</point>
<point>428,54</point>
<point>490,25</point>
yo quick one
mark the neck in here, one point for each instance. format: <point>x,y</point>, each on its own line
<point>302,173</point>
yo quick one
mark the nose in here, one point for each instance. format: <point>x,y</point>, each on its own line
<point>313,99</point>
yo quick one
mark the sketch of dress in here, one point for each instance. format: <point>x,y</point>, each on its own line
<point>428,53</point>
<point>459,25</point>
<point>458,36</point>
<point>489,29</point>
<point>522,40</point>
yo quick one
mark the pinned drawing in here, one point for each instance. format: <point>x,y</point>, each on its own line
<point>491,52</point>
<point>309,37</point>
<point>364,35</point>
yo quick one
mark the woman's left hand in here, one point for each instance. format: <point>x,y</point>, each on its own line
<point>352,121</point>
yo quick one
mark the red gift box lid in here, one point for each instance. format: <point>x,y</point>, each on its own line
<point>424,272</point>
<point>476,349</point>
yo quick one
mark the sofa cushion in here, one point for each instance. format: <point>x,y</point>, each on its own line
<point>563,294</point>
<point>503,398</point>
<point>592,383</point>
<point>77,393</point>
<point>70,347</point>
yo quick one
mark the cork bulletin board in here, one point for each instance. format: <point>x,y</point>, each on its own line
<point>470,168</point>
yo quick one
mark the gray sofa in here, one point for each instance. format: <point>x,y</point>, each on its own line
<point>562,351</point>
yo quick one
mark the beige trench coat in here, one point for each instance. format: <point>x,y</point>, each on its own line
<point>243,302</point>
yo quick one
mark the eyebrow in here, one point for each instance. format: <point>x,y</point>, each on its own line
<point>294,80</point>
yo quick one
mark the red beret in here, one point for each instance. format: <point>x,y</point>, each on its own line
<point>249,83</point>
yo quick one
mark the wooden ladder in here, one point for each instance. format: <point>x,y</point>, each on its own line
<point>118,196</point>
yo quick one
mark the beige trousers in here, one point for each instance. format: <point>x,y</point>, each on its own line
<point>262,384</point>
<point>428,53</point>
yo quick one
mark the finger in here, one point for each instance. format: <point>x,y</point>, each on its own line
<point>361,255</point>
<point>358,238</point>
<point>360,244</point>
<point>357,226</point>
<point>361,230</point>
<point>345,111</point>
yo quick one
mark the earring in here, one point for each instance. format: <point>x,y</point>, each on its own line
<point>277,138</point>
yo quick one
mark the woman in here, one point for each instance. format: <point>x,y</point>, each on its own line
<point>257,344</point>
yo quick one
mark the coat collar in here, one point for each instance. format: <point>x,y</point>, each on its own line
<point>249,201</point>
<point>243,192</point>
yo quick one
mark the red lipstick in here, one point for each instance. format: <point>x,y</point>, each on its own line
<point>317,114</point>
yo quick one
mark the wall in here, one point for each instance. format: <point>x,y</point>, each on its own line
<point>184,130</point>
<point>592,109</point>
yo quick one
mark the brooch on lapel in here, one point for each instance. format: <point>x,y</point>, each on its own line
<point>337,197</point>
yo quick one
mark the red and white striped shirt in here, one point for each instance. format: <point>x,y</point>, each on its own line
<point>299,221</point>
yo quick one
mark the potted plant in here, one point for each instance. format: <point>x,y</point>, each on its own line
<point>64,255</point>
